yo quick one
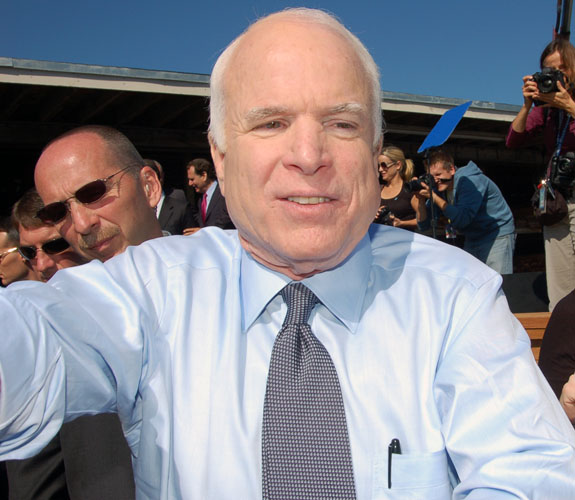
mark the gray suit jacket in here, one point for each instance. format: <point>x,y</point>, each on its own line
<point>176,213</point>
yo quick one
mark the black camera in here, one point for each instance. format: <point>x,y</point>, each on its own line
<point>384,216</point>
<point>547,80</point>
<point>563,171</point>
<point>414,185</point>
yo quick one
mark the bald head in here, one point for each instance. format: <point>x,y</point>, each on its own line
<point>312,17</point>
<point>124,215</point>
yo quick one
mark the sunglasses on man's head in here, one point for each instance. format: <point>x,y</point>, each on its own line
<point>51,247</point>
<point>90,193</point>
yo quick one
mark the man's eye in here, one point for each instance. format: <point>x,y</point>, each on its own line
<point>344,125</point>
<point>271,125</point>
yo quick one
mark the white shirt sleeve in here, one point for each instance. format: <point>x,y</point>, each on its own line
<point>32,380</point>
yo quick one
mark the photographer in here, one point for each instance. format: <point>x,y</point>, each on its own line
<point>398,205</point>
<point>474,207</point>
<point>554,120</point>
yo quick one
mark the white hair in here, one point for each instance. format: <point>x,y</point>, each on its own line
<point>315,16</point>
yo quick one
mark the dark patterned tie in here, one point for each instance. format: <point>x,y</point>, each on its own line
<point>305,444</point>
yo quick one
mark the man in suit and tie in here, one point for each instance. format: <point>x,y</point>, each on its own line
<point>174,211</point>
<point>212,210</point>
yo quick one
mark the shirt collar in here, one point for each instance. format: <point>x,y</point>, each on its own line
<point>210,192</point>
<point>160,204</point>
<point>341,289</point>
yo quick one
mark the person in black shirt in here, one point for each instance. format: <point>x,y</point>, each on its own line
<point>397,207</point>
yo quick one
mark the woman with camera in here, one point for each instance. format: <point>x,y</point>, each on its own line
<point>397,206</point>
<point>553,115</point>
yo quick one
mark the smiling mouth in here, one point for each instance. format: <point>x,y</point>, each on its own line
<point>308,200</point>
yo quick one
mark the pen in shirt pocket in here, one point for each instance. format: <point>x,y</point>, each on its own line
<point>393,448</point>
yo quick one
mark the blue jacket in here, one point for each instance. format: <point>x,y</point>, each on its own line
<point>478,209</point>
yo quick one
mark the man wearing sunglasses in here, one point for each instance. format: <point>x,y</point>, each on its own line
<point>13,267</point>
<point>97,193</point>
<point>474,207</point>
<point>41,244</point>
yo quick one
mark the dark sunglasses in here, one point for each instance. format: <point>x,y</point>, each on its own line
<point>90,193</point>
<point>51,247</point>
<point>439,180</point>
<point>387,165</point>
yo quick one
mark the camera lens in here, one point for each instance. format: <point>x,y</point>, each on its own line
<point>546,85</point>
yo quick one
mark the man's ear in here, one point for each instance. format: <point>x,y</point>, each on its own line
<point>377,154</point>
<point>151,185</point>
<point>218,157</point>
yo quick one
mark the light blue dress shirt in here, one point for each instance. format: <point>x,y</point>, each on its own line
<point>210,193</point>
<point>176,336</point>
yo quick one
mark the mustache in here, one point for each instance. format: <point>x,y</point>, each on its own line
<point>88,241</point>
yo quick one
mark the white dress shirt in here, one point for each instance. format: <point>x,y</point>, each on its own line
<point>176,336</point>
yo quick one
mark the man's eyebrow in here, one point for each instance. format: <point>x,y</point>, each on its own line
<point>347,107</point>
<point>261,113</point>
<point>257,114</point>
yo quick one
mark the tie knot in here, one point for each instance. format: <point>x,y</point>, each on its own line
<point>300,301</point>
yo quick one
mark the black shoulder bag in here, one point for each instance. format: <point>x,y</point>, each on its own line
<point>549,205</point>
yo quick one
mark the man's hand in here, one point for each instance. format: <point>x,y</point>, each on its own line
<point>191,230</point>
<point>567,398</point>
<point>421,197</point>
<point>426,192</point>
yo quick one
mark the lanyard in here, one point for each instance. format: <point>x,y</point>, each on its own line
<point>561,131</point>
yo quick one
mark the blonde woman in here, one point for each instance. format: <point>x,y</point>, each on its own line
<point>398,206</point>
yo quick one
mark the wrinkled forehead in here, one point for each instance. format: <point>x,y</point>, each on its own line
<point>37,236</point>
<point>70,163</point>
<point>279,47</point>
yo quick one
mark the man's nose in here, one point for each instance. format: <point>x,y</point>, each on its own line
<point>44,262</point>
<point>308,149</point>
<point>83,218</point>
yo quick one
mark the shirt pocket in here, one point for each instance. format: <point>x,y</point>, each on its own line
<point>417,476</point>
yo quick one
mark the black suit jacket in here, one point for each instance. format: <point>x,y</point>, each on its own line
<point>217,212</point>
<point>176,213</point>
<point>88,459</point>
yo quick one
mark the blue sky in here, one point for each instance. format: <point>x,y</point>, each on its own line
<point>468,49</point>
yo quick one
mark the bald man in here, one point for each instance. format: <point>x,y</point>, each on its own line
<point>309,354</point>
